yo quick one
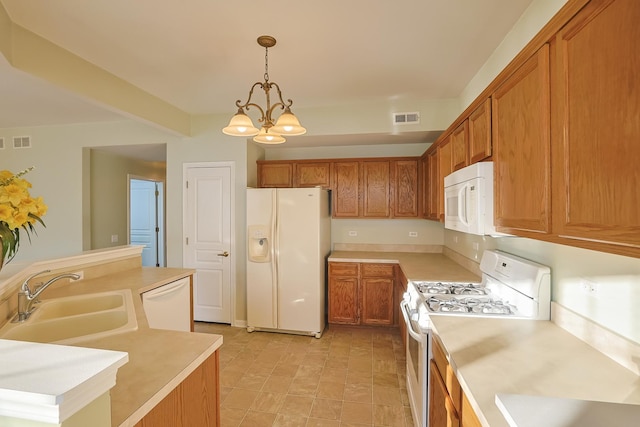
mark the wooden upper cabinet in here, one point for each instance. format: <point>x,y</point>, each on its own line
<point>375,186</point>
<point>423,187</point>
<point>480,132</point>
<point>521,115</point>
<point>596,129</point>
<point>460,146</point>
<point>405,188</point>
<point>346,189</point>
<point>275,175</point>
<point>445,167</point>
<point>312,174</point>
<point>433,191</point>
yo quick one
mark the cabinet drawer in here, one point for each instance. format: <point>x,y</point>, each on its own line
<point>343,269</point>
<point>377,270</point>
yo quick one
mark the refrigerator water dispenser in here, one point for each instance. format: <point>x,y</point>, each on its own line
<point>259,243</point>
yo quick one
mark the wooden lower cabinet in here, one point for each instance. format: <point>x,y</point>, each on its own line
<point>361,294</point>
<point>469,417</point>
<point>344,286</point>
<point>194,402</point>
<point>448,405</point>
<point>442,412</point>
<point>377,283</point>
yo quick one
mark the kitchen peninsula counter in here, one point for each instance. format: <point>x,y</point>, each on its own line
<point>159,360</point>
<point>531,358</point>
<point>416,266</point>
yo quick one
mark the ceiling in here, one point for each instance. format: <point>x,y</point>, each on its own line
<point>201,55</point>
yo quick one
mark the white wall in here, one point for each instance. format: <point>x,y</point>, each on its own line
<point>59,177</point>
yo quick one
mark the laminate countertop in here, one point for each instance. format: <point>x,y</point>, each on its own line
<point>416,266</point>
<point>523,358</point>
<point>159,360</point>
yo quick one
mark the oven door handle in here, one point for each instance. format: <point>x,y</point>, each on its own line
<point>405,313</point>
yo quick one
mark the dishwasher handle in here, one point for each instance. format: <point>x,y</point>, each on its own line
<point>166,289</point>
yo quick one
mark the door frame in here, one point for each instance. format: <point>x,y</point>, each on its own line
<point>161,212</point>
<point>232,240</point>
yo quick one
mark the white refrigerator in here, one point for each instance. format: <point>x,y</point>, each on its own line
<point>288,241</point>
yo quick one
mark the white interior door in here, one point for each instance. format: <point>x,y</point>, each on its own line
<point>208,237</point>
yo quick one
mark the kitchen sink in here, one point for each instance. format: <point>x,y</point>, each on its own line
<point>73,319</point>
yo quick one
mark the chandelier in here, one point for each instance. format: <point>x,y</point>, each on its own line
<point>270,132</point>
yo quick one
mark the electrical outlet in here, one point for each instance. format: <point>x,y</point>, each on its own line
<point>455,239</point>
<point>588,287</point>
<point>79,273</point>
<point>114,238</point>
<point>413,234</point>
<point>353,233</point>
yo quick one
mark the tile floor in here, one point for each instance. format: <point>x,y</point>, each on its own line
<point>349,377</point>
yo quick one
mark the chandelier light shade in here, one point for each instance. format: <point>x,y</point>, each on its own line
<point>270,132</point>
<point>267,137</point>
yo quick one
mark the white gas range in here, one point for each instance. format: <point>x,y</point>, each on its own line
<point>511,287</point>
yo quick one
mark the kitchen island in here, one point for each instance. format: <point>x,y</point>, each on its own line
<point>160,361</point>
<point>529,358</point>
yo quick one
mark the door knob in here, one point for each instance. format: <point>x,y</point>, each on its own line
<point>224,254</point>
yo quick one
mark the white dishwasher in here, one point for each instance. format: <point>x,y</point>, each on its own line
<point>169,306</point>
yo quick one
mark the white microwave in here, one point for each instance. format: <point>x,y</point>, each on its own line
<point>468,200</point>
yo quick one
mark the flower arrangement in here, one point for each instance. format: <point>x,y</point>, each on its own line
<point>18,210</point>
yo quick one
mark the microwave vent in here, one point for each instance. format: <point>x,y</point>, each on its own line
<point>21,142</point>
<point>406,118</point>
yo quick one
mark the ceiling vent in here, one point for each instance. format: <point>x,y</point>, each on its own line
<point>21,142</point>
<point>406,118</point>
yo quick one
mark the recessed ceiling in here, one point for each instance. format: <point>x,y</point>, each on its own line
<point>201,55</point>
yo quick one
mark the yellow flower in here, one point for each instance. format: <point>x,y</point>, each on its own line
<point>6,212</point>
<point>18,210</point>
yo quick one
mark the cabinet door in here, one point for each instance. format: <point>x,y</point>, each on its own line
<point>377,301</point>
<point>346,189</point>
<point>343,300</point>
<point>274,175</point>
<point>433,191</point>
<point>444,169</point>
<point>459,146</point>
<point>597,133</point>
<point>313,175</point>
<point>441,410</point>
<point>375,188</point>
<point>480,133</point>
<point>405,188</point>
<point>194,402</point>
<point>468,416</point>
<point>520,112</point>
<point>423,186</point>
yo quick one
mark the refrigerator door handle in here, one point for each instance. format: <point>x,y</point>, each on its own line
<point>275,247</point>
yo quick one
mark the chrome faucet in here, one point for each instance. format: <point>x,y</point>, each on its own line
<point>26,298</point>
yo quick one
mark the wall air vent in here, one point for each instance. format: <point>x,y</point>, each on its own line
<point>406,118</point>
<point>21,142</point>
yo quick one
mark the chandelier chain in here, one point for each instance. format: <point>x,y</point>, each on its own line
<point>266,64</point>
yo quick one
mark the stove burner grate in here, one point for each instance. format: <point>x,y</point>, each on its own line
<point>470,305</point>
